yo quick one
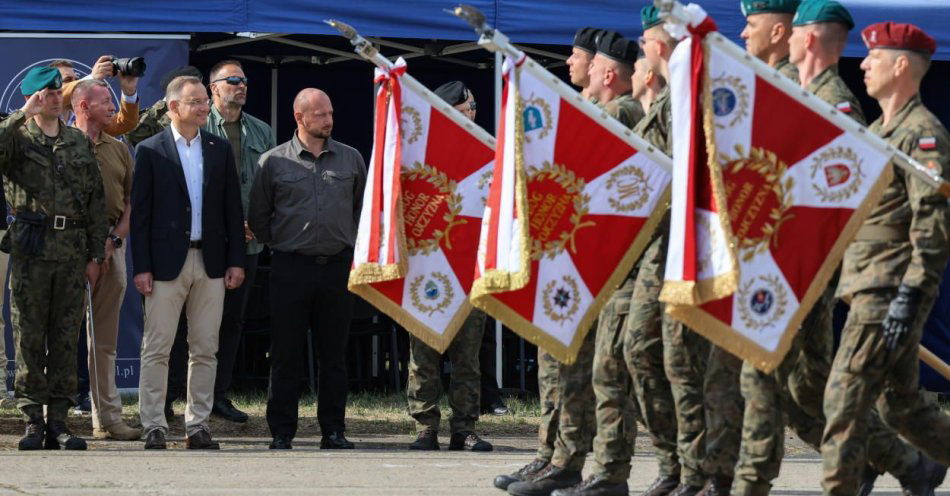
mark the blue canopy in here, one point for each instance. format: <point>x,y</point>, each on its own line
<point>525,21</point>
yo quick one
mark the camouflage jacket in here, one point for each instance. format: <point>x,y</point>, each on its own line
<point>908,204</point>
<point>625,109</point>
<point>655,126</point>
<point>787,69</point>
<point>27,160</point>
<point>829,86</point>
<point>151,122</point>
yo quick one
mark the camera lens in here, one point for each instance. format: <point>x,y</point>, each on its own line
<point>130,66</point>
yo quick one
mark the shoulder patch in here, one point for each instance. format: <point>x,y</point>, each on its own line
<point>927,143</point>
<point>844,107</point>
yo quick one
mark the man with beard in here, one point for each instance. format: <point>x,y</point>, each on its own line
<point>305,204</point>
<point>249,137</point>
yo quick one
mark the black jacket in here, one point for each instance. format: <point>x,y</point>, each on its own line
<point>161,208</point>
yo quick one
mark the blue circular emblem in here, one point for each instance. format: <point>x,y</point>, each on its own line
<point>724,101</point>
<point>762,301</point>
<point>532,118</point>
<point>431,290</point>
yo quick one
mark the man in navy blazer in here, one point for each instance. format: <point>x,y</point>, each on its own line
<point>188,246</point>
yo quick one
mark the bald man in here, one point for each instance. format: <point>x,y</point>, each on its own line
<point>305,204</point>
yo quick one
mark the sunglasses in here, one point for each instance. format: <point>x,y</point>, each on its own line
<point>471,106</point>
<point>232,80</point>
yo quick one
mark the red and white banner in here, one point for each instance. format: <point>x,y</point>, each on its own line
<point>795,189</point>
<point>571,207</point>
<point>440,170</point>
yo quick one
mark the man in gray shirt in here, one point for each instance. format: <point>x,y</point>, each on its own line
<point>305,204</point>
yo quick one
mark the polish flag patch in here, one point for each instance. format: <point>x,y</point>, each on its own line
<point>928,143</point>
<point>844,107</point>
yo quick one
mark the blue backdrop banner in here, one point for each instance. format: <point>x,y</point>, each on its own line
<point>161,54</point>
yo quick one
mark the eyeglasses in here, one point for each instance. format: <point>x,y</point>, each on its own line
<point>232,80</point>
<point>642,40</point>
<point>471,106</point>
<point>197,103</point>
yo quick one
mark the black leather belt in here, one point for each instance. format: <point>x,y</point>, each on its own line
<point>61,222</point>
<point>195,244</point>
<point>343,256</point>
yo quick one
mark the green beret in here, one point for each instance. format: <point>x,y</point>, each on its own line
<point>39,78</point>
<point>814,11</point>
<point>650,16</point>
<point>750,7</point>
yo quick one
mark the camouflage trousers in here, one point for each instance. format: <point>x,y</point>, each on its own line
<point>46,309</point>
<point>4,259</point>
<point>795,389</point>
<point>616,407</point>
<point>723,403</point>
<point>424,387</point>
<point>685,355</point>
<point>865,372</point>
<point>567,407</point>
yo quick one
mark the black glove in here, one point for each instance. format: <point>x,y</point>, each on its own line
<point>901,315</point>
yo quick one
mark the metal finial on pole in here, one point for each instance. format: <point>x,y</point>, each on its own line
<point>363,47</point>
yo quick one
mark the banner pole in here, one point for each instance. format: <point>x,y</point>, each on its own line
<point>935,362</point>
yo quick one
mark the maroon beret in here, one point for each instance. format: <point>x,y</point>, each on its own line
<point>898,36</point>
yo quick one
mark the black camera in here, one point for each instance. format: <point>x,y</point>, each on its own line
<point>131,66</point>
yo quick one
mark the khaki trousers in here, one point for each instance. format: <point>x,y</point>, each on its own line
<point>107,299</point>
<point>203,299</point>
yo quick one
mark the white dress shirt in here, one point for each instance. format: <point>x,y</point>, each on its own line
<point>192,162</point>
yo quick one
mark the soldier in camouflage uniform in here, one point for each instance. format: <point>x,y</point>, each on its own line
<point>890,275</point>
<point>567,398</point>
<point>797,386</point>
<point>609,86</point>
<point>55,244</point>
<point>424,388</point>
<point>154,120</point>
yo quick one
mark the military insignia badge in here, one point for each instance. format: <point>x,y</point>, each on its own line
<point>762,300</point>
<point>730,101</point>
<point>927,143</point>
<point>537,118</point>
<point>844,107</point>
<point>836,174</point>
<point>561,298</point>
<point>431,293</point>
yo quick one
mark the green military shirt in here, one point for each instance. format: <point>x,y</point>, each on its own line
<point>256,138</point>
<point>907,205</point>
<point>787,69</point>
<point>151,122</point>
<point>625,109</point>
<point>27,160</point>
<point>655,126</point>
<point>829,86</point>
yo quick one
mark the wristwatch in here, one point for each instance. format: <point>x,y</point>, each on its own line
<point>117,241</point>
<point>97,261</point>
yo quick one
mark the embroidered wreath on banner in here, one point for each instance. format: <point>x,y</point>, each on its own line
<point>566,296</point>
<point>762,301</point>
<point>635,186</point>
<point>768,171</point>
<point>741,95</point>
<point>573,186</point>
<point>413,114</point>
<point>453,200</point>
<point>546,125</point>
<point>848,163</point>
<point>432,292</point>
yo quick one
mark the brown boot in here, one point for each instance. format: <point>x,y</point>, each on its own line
<point>118,431</point>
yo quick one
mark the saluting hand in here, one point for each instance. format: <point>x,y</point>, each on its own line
<point>34,104</point>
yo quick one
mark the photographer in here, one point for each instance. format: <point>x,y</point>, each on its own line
<point>127,117</point>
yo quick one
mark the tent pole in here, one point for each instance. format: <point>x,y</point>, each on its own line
<point>498,327</point>
<point>273,100</point>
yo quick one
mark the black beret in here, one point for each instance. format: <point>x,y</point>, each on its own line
<point>453,92</point>
<point>185,70</point>
<point>586,38</point>
<point>614,46</point>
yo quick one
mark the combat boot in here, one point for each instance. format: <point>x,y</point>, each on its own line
<point>595,485</point>
<point>526,473</point>
<point>58,436</point>
<point>925,478</point>
<point>663,485</point>
<point>33,439</point>
<point>426,441</point>
<point>867,481</point>
<point>717,485</point>
<point>685,490</point>
<point>551,479</point>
